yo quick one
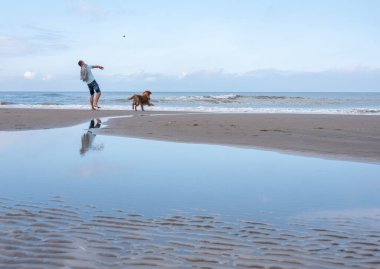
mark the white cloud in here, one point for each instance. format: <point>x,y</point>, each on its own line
<point>29,75</point>
<point>43,41</point>
<point>47,77</point>
<point>45,34</point>
<point>182,75</point>
<point>95,11</point>
<point>33,75</point>
<point>10,45</point>
<point>258,81</point>
<point>150,79</point>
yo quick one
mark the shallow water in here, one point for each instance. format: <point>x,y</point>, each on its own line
<point>70,197</point>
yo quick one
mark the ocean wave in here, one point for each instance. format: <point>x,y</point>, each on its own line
<point>225,96</point>
<point>233,99</point>
<point>269,97</point>
<point>51,94</point>
<point>194,99</point>
<point>347,111</point>
<point>49,104</point>
<point>6,103</point>
<point>206,109</point>
<point>203,99</point>
<point>121,100</point>
<point>366,111</point>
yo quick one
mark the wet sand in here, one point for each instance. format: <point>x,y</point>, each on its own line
<point>56,235</point>
<point>333,136</point>
<point>36,119</point>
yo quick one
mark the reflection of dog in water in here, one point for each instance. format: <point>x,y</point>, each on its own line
<point>88,138</point>
<point>141,99</point>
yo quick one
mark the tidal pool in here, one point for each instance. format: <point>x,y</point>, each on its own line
<point>71,198</point>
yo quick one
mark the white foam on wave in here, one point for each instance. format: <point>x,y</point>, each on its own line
<point>42,106</point>
<point>215,109</point>
<point>348,111</point>
<point>201,97</point>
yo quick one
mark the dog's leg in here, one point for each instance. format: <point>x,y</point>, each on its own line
<point>142,107</point>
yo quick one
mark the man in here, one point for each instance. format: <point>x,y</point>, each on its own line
<point>87,76</point>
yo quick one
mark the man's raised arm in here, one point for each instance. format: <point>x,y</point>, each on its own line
<point>98,66</point>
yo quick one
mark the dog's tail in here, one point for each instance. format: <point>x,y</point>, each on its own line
<point>133,96</point>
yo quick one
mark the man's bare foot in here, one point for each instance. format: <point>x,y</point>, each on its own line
<point>93,108</point>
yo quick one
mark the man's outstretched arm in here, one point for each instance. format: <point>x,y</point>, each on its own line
<point>98,66</point>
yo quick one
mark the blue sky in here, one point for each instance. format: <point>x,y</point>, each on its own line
<point>193,45</point>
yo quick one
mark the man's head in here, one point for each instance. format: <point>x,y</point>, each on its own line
<point>81,63</point>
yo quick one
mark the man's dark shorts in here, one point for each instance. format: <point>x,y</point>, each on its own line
<point>93,87</point>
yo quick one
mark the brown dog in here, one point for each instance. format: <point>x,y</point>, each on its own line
<point>141,99</point>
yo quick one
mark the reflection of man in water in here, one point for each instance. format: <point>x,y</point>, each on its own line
<point>89,137</point>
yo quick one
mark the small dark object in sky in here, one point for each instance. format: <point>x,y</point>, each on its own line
<point>124,36</point>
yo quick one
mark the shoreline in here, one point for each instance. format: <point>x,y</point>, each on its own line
<point>344,137</point>
<point>223,110</point>
<point>19,119</point>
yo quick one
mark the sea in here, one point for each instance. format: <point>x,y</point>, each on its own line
<point>357,103</point>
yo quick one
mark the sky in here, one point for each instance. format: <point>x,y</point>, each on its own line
<point>191,45</point>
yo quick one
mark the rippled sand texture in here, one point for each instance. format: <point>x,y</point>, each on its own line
<point>61,236</point>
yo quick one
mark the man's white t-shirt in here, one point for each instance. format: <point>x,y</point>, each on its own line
<point>90,76</point>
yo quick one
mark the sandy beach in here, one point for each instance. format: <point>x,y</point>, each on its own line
<point>259,146</point>
<point>333,136</point>
<point>141,203</point>
<point>36,119</point>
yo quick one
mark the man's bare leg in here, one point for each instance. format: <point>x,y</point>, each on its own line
<point>92,102</point>
<point>97,99</point>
